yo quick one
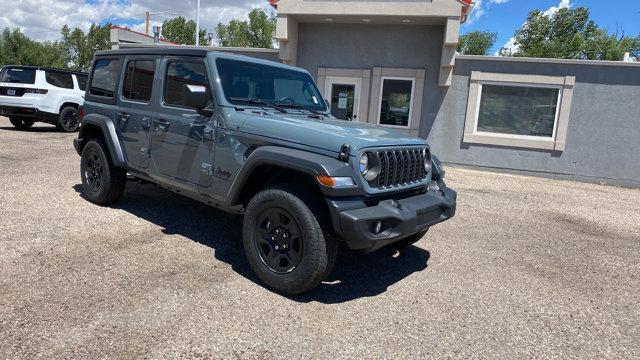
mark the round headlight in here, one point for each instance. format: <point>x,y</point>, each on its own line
<point>363,165</point>
<point>426,156</point>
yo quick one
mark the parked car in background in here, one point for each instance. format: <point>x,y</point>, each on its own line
<point>32,94</point>
<point>255,137</point>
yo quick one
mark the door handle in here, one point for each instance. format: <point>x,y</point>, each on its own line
<point>124,117</point>
<point>162,124</point>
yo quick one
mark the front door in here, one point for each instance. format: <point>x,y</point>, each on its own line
<point>136,107</point>
<point>182,141</point>
<point>344,97</point>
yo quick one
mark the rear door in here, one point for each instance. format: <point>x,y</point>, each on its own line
<point>182,141</point>
<point>135,110</point>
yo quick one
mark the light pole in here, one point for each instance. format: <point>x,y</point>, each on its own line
<point>148,15</point>
<point>198,24</point>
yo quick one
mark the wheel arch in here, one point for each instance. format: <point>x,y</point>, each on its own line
<point>99,126</point>
<point>270,164</point>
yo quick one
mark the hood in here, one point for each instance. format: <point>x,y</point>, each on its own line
<point>325,134</point>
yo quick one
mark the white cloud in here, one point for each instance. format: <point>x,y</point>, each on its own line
<point>42,19</point>
<point>481,7</point>
<point>511,46</point>
<point>554,9</point>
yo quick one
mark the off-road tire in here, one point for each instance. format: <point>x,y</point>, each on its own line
<point>68,120</point>
<point>319,245</point>
<point>410,240</point>
<point>112,179</point>
<point>21,123</point>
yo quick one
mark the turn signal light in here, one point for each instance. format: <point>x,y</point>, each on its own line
<point>335,182</point>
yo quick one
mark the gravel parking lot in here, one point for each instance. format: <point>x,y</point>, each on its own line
<point>530,267</point>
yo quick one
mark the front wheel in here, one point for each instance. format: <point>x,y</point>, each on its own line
<point>286,240</point>
<point>21,123</point>
<point>68,120</point>
<point>102,182</point>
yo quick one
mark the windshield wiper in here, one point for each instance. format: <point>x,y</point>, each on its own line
<point>299,106</point>
<point>258,102</point>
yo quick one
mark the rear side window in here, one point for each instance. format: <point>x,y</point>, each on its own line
<point>105,77</point>
<point>183,73</point>
<point>18,75</point>
<point>82,81</point>
<point>59,79</point>
<point>138,80</point>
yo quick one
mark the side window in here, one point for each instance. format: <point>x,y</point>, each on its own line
<point>180,73</point>
<point>104,78</point>
<point>59,79</point>
<point>82,81</point>
<point>138,80</point>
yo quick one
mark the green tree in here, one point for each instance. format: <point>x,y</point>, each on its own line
<point>568,34</point>
<point>182,31</point>
<point>257,32</point>
<point>79,46</point>
<point>17,49</point>
<point>477,42</point>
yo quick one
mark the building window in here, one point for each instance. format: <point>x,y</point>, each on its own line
<point>526,111</point>
<point>396,98</point>
<point>395,101</point>
<point>518,110</point>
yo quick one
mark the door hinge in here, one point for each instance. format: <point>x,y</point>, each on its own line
<point>206,169</point>
<point>145,153</point>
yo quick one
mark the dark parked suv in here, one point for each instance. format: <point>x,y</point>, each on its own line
<point>255,137</point>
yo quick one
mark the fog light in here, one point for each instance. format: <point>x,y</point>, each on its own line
<point>377,228</point>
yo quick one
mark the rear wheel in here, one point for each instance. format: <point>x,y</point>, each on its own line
<point>21,123</point>
<point>68,120</point>
<point>102,182</point>
<point>286,239</point>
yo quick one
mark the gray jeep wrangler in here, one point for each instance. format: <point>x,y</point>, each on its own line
<point>256,137</point>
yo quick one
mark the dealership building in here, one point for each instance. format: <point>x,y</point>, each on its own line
<point>394,63</point>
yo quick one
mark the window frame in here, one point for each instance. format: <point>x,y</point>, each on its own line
<point>411,102</point>
<point>165,72</point>
<point>124,75</point>
<point>564,85</point>
<point>111,100</point>
<point>48,72</point>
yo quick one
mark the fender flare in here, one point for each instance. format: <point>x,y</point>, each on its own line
<point>293,159</point>
<point>109,133</point>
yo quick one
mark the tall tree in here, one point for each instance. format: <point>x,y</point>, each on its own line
<point>79,46</point>
<point>477,42</point>
<point>567,34</point>
<point>182,31</point>
<point>257,32</point>
<point>17,49</point>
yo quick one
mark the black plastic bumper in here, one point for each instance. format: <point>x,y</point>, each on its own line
<point>26,112</point>
<point>355,222</point>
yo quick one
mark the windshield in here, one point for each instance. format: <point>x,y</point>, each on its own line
<point>271,84</point>
<point>18,75</point>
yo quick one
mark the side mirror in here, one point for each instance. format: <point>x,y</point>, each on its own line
<point>196,96</point>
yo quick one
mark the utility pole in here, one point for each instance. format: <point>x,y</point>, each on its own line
<point>198,24</point>
<point>146,22</point>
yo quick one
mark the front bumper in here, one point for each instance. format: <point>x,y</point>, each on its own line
<point>355,222</point>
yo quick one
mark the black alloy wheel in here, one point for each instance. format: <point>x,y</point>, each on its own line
<point>278,240</point>
<point>93,172</point>
<point>69,120</point>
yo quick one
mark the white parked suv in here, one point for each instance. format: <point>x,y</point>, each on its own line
<point>29,94</point>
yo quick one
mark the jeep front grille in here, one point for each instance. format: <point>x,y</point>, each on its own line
<point>399,167</point>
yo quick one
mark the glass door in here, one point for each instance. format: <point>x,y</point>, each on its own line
<point>344,97</point>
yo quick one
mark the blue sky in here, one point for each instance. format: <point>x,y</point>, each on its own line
<point>505,16</point>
